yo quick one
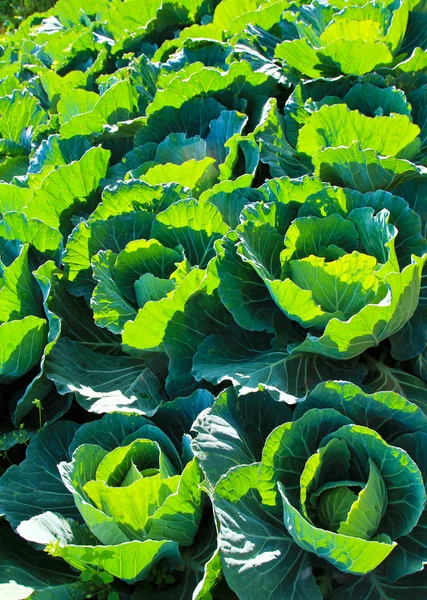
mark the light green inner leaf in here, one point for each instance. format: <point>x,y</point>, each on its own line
<point>345,285</point>
<point>334,506</point>
<point>366,513</point>
<point>326,465</point>
<point>140,454</point>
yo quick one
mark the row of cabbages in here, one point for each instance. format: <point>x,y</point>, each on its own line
<point>338,487</point>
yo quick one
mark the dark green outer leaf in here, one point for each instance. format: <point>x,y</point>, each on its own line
<point>176,418</point>
<point>35,485</point>
<point>256,551</point>
<point>234,430</point>
<point>48,577</point>
<point>241,290</point>
<point>382,377</point>
<point>411,554</point>
<point>103,383</point>
<point>387,413</point>
<point>376,587</point>
<point>107,432</point>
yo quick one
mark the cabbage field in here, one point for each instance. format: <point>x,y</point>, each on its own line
<point>213,301</point>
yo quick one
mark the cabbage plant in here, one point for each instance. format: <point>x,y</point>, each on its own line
<point>340,488</point>
<point>128,503</point>
<point>339,277</point>
<point>323,274</point>
<point>344,39</point>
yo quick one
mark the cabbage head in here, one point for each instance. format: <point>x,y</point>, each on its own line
<point>341,488</point>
